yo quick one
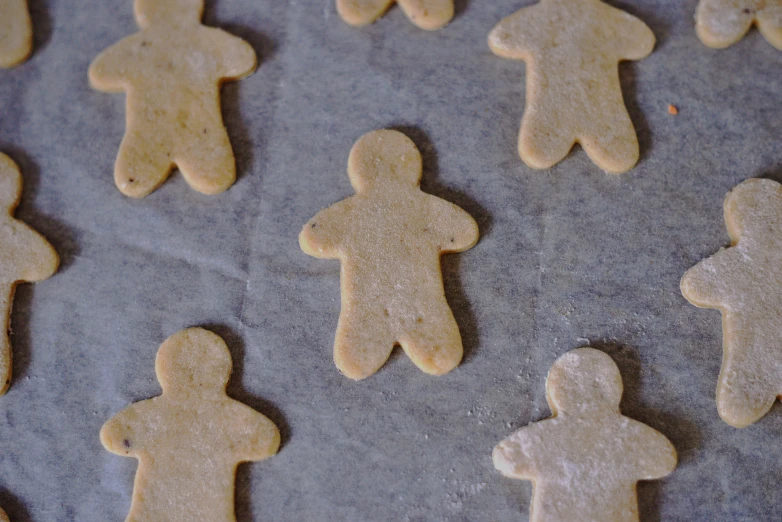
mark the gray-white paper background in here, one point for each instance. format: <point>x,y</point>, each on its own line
<point>567,257</point>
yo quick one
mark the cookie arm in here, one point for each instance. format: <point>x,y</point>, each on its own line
<point>254,436</point>
<point>457,230</point>
<point>654,454</point>
<point>110,70</point>
<point>705,284</point>
<point>237,57</point>
<point>120,434</point>
<point>512,457</point>
<point>512,36</point>
<point>635,39</point>
<point>322,235</point>
<point>40,261</point>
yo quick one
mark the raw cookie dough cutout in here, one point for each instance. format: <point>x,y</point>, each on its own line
<point>16,32</point>
<point>721,23</point>
<point>584,461</point>
<point>572,49</point>
<point>426,14</point>
<point>190,439</point>
<point>389,237</point>
<point>745,283</point>
<point>25,256</point>
<point>172,72</point>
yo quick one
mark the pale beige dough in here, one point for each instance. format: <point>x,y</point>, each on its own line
<point>190,439</point>
<point>25,256</point>
<point>721,23</point>
<point>172,71</point>
<point>16,32</point>
<point>572,49</point>
<point>745,283</point>
<point>585,460</point>
<point>426,14</point>
<point>389,238</point>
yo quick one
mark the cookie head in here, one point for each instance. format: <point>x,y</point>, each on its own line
<point>384,157</point>
<point>10,183</point>
<point>584,380</point>
<point>753,210</point>
<point>195,361</point>
<point>168,12</point>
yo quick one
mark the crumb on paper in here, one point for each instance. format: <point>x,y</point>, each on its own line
<point>672,110</point>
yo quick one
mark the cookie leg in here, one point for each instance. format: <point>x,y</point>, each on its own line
<point>142,164</point>
<point>770,24</point>
<point>433,341</point>
<point>542,143</point>
<point>612,143</point>
<point>720,23</point>
<point>6,358</point>
<point>16,32</point>
<point>362,12</point>
<point>208,164</point>
<point>744,394</point>
<point>428,14</point>
<point>362,344</point>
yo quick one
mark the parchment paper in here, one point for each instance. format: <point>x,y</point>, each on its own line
<point>568,257</point>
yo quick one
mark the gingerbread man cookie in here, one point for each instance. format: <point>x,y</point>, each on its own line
<point>426,14</point>
<point>4,516</point>
<point>16,32</point>
<point>25,256</point>
<point>745,283</point>
<point>721,23</point>
<point>572,49</point>
<point>190,439</point>
<point>584,461</point>
<point>389,237</point>
<point>172,71</point>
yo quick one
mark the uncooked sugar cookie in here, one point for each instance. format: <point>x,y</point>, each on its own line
<point>745,283</point>
<point>172,71</point>
<point>584,461</point>
<point>190,439</point>
<point>16,32</point>
<point>721,23</point>
<point>389,237</point>
<point>25,256</point>
<point>426,14</point>
<point>572,50</point>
